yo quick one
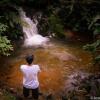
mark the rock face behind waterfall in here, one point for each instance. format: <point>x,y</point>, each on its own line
<point>32,38</point>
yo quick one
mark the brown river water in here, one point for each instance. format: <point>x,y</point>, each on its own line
<point>57,62</point>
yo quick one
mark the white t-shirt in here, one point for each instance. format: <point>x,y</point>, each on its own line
<point>30,79</point>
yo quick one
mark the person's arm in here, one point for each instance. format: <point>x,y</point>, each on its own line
<point>39,70</point>
<point>21,70</point>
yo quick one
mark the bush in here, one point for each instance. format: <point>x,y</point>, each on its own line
<point>5,45</point>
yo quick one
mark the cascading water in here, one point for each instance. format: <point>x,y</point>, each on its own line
<point>32,38</point>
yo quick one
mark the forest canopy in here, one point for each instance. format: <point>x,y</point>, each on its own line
<point>82,16</point>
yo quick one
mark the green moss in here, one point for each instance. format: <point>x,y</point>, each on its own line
<point>7,96</point>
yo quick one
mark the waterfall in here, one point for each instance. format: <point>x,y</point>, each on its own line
<point>32,38</point>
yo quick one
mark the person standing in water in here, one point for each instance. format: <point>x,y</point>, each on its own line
<point>30,78</point>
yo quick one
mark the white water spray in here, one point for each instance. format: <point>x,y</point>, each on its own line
<point>32,38</point>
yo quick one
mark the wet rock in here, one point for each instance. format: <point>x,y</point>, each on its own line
<point>49,97</point>
<point>64,98</point>
<point>64,56</point>
<point>1,93</point>
<point>18,97</point>
<point>82,85</point>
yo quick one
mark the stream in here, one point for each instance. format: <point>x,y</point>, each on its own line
<point>57,61</point>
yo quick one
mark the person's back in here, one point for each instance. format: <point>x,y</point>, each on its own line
<point>30,78</point>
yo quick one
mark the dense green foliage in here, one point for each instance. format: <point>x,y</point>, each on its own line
<point>11,19</point>
<point>9,26</point>
<point>94,49</point>
<point>5,45</point>
<point>82,16</point>
<point>74,14</point>
<point>53,26</point>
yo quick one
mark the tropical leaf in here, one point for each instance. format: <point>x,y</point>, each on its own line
<point>5,46</point>
<point>97,59</point>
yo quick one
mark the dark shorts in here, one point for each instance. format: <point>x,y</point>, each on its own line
<point>35,92</point>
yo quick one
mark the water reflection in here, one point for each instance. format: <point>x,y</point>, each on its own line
<point>57,62</point>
